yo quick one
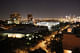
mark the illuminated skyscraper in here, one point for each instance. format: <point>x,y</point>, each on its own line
<point>15,18</point>
<point>30,18</point>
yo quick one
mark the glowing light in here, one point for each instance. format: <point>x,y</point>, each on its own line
<point>67,51</point>
<point>29,38</point>
<point>40,35</point>
<point>53,36</point>
<point>27,34</point>
<point>32,36</point>
<point>5,34</point>
<point>36,37</point>
<point>10,35</point>
<point>60,32</point>
<point>19,35</point>
<point>15,35</point>
<point>69,30</point>
<point>77,24</point>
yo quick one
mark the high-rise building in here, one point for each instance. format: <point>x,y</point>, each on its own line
<point>30,18</point>
<point>15,18</point>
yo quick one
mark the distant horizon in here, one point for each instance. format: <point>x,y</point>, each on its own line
<point>39,8</point>
<point>39,17</point>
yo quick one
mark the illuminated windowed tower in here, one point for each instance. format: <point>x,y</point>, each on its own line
<point>30,18</point>
<point>15,18</point>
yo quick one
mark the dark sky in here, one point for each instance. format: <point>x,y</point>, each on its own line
<point>40,8</point>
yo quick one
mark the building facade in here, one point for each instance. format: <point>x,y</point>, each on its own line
<point>15,18</point>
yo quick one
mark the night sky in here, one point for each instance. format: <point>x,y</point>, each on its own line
<point>40,8</point>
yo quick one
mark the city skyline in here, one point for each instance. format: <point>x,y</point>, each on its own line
<point>39,8</point>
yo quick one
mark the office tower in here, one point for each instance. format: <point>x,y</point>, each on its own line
<point>15,18</point>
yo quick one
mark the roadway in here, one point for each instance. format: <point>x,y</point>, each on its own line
<point>42,44</point>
